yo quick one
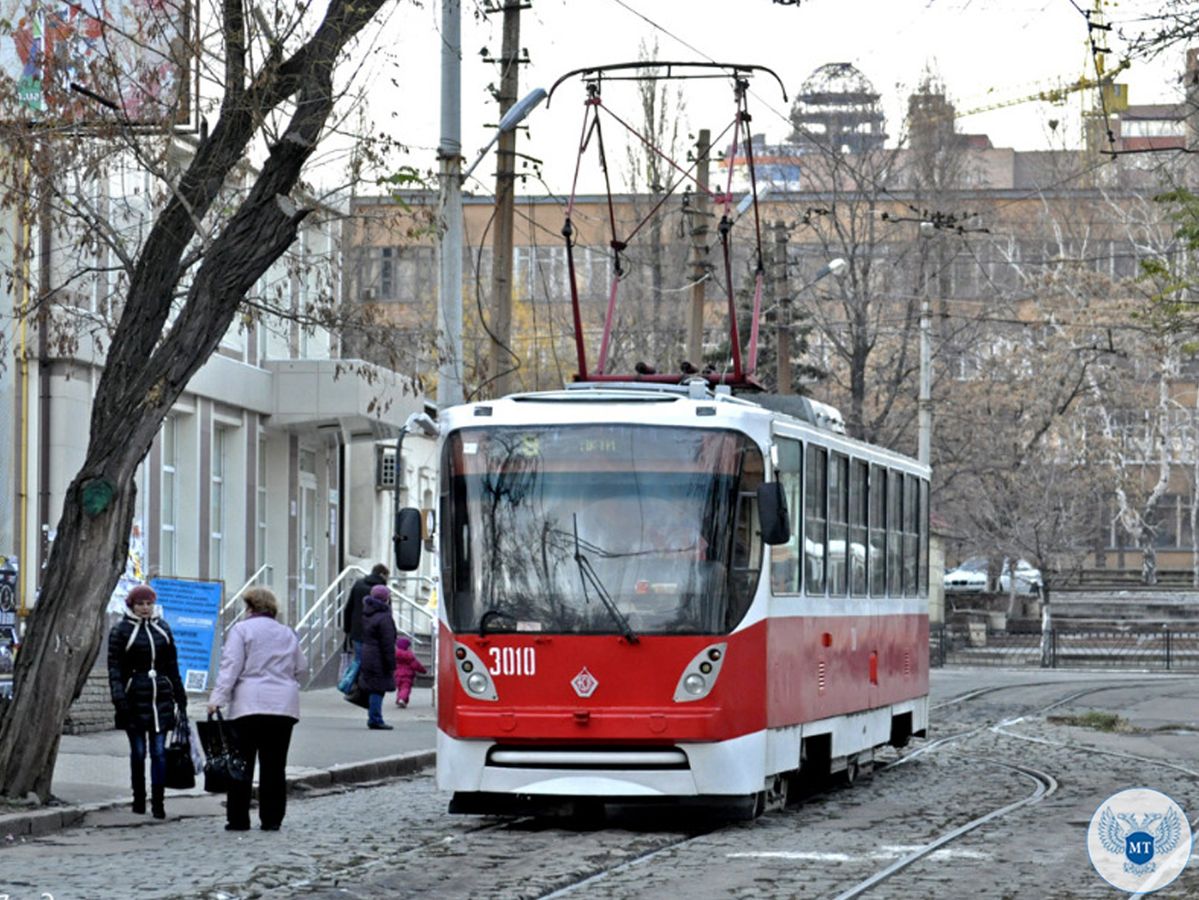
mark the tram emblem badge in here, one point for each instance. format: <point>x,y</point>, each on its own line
<point>1139,839</point>
<point>584,683</point>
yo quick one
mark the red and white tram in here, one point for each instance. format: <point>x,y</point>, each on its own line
<point>657,592</point>
<point>654,589</point>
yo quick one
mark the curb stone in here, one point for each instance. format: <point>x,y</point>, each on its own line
<point>47,820</point>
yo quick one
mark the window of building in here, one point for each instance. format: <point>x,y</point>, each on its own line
<point>216,508</point>
<point>260,510</point>
<point>169,499</point>
<point>404,274</point>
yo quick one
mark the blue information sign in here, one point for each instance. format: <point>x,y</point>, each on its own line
<point>191,608</point>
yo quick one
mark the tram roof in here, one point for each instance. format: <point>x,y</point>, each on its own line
<point>799,412</point>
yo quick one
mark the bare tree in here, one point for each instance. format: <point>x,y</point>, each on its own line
<point>186,279</point>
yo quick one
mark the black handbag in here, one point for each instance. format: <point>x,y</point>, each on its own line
<point>358,696</point>
<point>224,765</point>
<point>181,774</point>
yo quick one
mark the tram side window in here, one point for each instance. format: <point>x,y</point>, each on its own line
<point>922,524</point>
<point>894,533</point>
<point>815,519</point>
<point>784,558</point>
<point>911,536</point>
<point>838,523</point>
<point>858,472</point>
<point>878,531</point>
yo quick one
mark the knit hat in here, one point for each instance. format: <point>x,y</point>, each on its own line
<point>140,592</point>
<point>403,643</point>
<point>381,592</point>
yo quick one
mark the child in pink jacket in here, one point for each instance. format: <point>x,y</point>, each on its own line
<point>407,668</point>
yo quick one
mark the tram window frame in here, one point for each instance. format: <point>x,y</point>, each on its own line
<point>838,525</point>
<point>922,524</point>
<point>816,520</point>
<point>894,533</point>
<point>876,565</point>
<point>786,564</point>
<point>910,536</point>
<point>859,513</point>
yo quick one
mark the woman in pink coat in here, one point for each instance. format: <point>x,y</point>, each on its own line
<point>407,668</point>
<point>259,682</point>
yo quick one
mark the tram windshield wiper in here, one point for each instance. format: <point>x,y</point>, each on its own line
<point>588,576</point>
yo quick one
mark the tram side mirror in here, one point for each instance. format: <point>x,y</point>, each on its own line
<point>407,539</point>
<point>773,520</point>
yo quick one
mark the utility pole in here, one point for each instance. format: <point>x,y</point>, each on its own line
<point>449,154</point>
<point>924,402</point>
<point>699,234</point>
<point>502,356</point>
<point>783,299</point>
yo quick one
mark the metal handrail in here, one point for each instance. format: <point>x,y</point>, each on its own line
<point>319,632</point>
<point>265,567</point>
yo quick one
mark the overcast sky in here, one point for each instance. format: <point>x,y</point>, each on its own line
<point>984,50</point>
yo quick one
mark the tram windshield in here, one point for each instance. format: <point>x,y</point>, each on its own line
<point>597,529</point>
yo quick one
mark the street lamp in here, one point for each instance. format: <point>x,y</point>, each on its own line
<point>449,285</point>
<point>837,268</point>
<point>422,422</point>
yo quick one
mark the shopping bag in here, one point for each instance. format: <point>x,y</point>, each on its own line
<point>194,743</point>
<point>349,679</point>
<point>181,773</point>
<point>224,765</point>
<point>358,696</point>
<point>343,663</point>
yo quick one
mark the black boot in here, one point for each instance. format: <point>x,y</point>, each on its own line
<point>157,794</point>
<point>139,796</point>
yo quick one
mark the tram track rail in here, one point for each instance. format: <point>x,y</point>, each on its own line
<point>1044,785</point>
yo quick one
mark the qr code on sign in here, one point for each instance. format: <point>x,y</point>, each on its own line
<point>195,680</point>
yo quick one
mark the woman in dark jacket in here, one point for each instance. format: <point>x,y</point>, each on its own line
<point>376,674</point>
<point>143,677</point>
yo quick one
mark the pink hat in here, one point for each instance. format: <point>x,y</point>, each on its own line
<point>381,592</point>
<point>140,592</point>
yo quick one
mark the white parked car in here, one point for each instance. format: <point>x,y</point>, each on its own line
<point>971,575</point>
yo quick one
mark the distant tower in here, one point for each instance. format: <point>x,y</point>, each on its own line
<point>838,108</point>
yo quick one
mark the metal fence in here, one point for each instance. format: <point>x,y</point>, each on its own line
<point>1159,649</point>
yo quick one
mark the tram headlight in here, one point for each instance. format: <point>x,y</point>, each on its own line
<point>699,677</point>
<point>472,674</point>
<point>476,683</point>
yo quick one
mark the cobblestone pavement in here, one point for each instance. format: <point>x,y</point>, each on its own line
<point>394,839</point>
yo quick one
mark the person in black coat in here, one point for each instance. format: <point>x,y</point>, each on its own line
<point>376,673</point>
<point>351,616</point>
<point>147,692</point>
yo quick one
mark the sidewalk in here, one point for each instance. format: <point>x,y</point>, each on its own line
<point>330,745</point>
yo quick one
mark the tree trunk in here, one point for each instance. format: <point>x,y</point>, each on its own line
<point>145,372</point>
<point>1046,628</point>
<point>1148,561</point>
<point>63,637</point>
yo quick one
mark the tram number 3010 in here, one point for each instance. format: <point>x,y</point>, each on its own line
<point>513,661</point>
